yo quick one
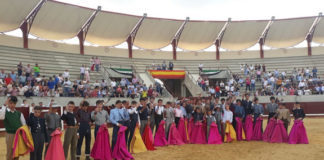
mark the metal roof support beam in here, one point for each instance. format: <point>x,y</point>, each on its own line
<point>310,34</point>
<point>84,29</point>
<point>264,36</point>
<point>26,25</point>
<point>219,38</point>
<point>132,35</point>
<point>176,39</point>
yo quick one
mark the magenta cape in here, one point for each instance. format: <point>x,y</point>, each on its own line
<point>174,136</point>
<point>159,139</point>
<point>191,127</point>
<point>240,134</point>
<point>101,147</point>
<point>55,148</point>
<point>269,130</point>
<point>214,136</point>
<point>148,138</point>
<point>120,151</point>
<point>248,127</point>
<point>298,133</point>
<point>183,130</point>
<point>257,130</point>
<point>198,134</point>
<point>279,134</point>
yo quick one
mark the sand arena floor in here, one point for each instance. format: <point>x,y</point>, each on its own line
<point>236,150</point>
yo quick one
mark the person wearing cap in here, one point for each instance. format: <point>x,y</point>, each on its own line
<point>13,119</point>
<point>272,107</point>
<point>283,114</point>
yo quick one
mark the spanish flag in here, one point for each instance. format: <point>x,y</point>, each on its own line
<point>167,74</point>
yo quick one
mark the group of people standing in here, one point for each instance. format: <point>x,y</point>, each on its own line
<point>133,123</point>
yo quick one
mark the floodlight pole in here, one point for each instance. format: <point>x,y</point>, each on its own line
<point>26,25</point>
<point>132,35</point>
<point>264,36</point>
<point>219,38</point>
<point>310,34</point>
<point>176,38</point>
<point>85,28</point>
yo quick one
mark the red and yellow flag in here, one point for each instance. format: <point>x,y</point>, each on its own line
<point>167,74</point>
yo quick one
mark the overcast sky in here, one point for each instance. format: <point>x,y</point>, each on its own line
<point>210,9</point>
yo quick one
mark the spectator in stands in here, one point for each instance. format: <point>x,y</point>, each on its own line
<point>19,68</point>
<point>13,76</point>
<point>247,84</point>
<point>2,75</point>
<point>92,63</point>
<point>51,86</point>
<point>87,74</point>
<point>66,74</point>
<point>164,66</point>
<point>97,63</point>
<point>22,79</point>
<point>82,71</point>
<point>28,70</point>
<point>36,70</point>
<point>314,72</point>
<point>263,68</point>
<point>171,66</point>
<point>200,67</point>
<point>8,79</point>
<point>67,86</point>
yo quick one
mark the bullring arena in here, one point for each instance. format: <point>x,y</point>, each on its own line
<point>53,53</point>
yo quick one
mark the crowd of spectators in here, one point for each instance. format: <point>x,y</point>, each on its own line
<point>27,81</point>
<point>300,81</point>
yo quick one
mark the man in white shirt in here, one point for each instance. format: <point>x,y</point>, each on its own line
<point>66,74</point>
<point>113,83</point>
<point>301,84</point>
<point>159,109</point>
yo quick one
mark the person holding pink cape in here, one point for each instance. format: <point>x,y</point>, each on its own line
<point>239,116</point>
<point>298,133</point>
<point>279,134</point>
<point>183,131</point>
<point>159,139</point>
<point>120,151</point>
<point>269,129</point>
<point>198,132</point>
<point>55,148</point>
<point>174,136</point>
<point>213,135</point>
<point>258,111</point>
<point>101,147</point>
